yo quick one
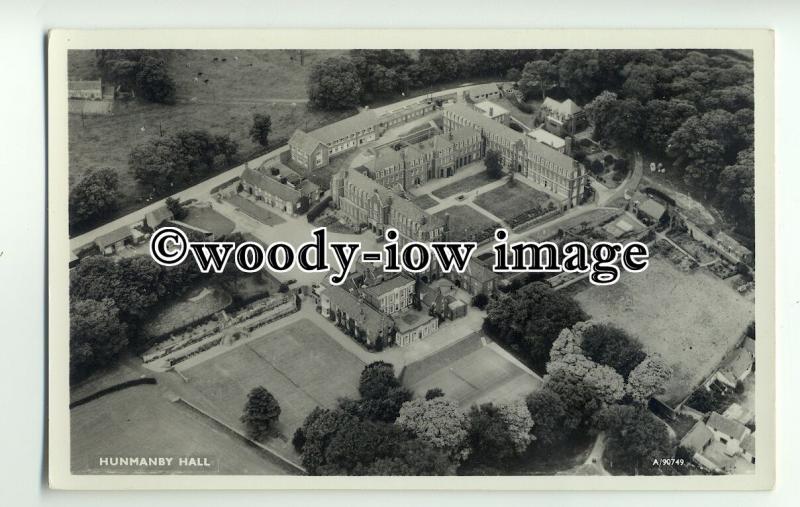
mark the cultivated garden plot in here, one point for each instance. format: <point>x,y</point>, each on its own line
<point>691,319</point>
<point>515,202</point>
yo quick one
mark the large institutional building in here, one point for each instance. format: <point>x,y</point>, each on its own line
<point>365,201</point>
<point>541,165</point>
<point>314,149</point>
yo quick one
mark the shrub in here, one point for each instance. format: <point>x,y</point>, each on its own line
<point>480,300</point>
<point>608,159</point>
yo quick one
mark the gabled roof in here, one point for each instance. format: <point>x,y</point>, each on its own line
<point>365,316</point>
<point>304,142</point>
<point>388,285</point>
<point>698,437</point>
<point>270,185</point>
<point>567,108</point>
<point>343,128</point>
<point>545,137</point>
<point>483,88</point>
<point>157,216</point>
<point>488,106</point>
<point>383,159</point>
<point>722,424</point>
<point>114,236</point>
<point>749,444</point>
<point>738,364</point>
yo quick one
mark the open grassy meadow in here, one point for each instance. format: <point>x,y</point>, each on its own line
<point>691,319</point>
<point>218,96</point>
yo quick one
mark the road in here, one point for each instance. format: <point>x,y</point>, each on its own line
<point>202,190</point>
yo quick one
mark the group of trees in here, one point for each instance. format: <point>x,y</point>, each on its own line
<point>427,436</point>
<point>589,387</point>
<point>143,71</point>
<point>530,319</point>
<point>108,300</point>
<point>694,108</point>
<point>343,82</point>
<point>94,196</point>
<point>181,158</point>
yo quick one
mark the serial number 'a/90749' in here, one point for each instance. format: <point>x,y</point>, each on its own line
<point>668,462</point>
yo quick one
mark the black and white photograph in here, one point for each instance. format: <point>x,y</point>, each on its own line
<point>253,287</point>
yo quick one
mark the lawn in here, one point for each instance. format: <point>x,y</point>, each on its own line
<point>425,201</point>
<point>470,372</point>
<point>210,220</point>
<point>511,200</point>
<point>463,185</point>
<point>269,81</point>
<point>194,306</point>
<point>691,319</point>
<point>253,210</point>
<point>141,421</point>
<point>466,224</point>
<point>299,364</point>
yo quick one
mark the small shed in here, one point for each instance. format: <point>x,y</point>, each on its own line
<point>652,209</point>
<point>115,240</point>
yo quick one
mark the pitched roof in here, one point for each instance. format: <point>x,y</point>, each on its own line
<point>749,444</point>
<point>698,437</point>
<point>383,159</point>
<point>653,209</point>
<point>479,271</point>
<point>367,317</point>
<point>483,88</point>
<point>303,141</point>
<point>157,216</point>
<point>567,108</point>
<point>738,364</point>
<point>85,85</point>
<point>388,285</point>
<point>337,130</point>
<point>411,319</point>
<point>114,236</point>
<point>726,426</point>
<point>270,185</point>
<point>750,346</point>
<point>403,206</point>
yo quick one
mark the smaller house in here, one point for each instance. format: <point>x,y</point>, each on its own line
<point>738,366</point>
<point>414,325</point>
<point>696,441</point>
<point>749,448</point>
<point>158,216</point>
<point>477,278</point>
<point>114,241</point>
<point>86,90</point>
<point>548,139</point>
<point>728,432</point>
<point>652,211</point>
<point>494,111</point>
<point>483,92</point>
<point>562,118</point>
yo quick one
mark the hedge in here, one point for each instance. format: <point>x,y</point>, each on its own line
<point>113,389</point>
<point>318,208</point>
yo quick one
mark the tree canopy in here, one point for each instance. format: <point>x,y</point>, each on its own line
<point>95,195</point>
<point>96,335</point>
<point>261,412</point>
<point>334,84</point>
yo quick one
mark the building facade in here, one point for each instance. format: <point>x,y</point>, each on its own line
<point>555,172</point>
<point>363,200</point>
<point>280,187</point>
<point>562,118</point>
<point>314,149</point>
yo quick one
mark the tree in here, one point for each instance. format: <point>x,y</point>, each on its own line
<point>612,346</point>
<point>434,393</point>
<point>624,123</point>
<point>96,335</point>
<point>261,412</point>
<point>531,318</point>
<point>579,73</point>
<point>538,75</point>
<point>736,190</point>
<point>598,110</point>
<point>494,168</point>
<point>518,423</point>
<point>513,75</point>
<point>95,195</point>
<point>579,399</point>
<point>489,438</point>
<point>597,167</point>
<point>334,84</point>
<point>153,81</point>
<point>547,412</point>
<point>178,210</point>
<point>662,118</point>
<point>437,421</point>
<point>377,378</point>
<point>649,378</point>
<point>635,438</point>
<point>261,128</point>
<point>480,300</point>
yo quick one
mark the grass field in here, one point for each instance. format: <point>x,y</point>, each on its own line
<point>463,185</point>
<point>141,421</point>
<point>465,223</point>
<point>470,372</point>
<point>425,201</point>
<point>691,319</point>
<point>511,199</point>
<point>210,220</point>
<point>270,82</point>
<point>253,210</point>
<point>299,364</point>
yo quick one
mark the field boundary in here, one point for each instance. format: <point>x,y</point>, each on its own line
<point>112,389</point>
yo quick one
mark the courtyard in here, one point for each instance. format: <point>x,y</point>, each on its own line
<point>512,200</point>
<point>467,224</point>
<point>691,319</point>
